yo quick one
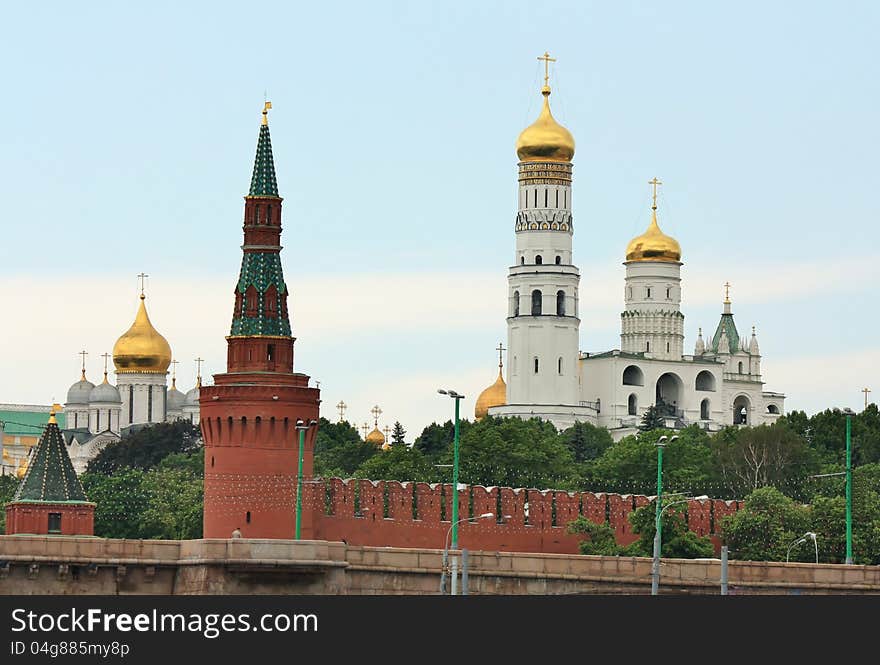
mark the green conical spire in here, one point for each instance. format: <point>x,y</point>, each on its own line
<point>50,476</point>
<point>263,180</point>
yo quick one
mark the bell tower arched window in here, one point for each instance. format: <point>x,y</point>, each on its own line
<point>516,303</point>
<point>560,303</point>
<point>539,260</point>
<point>537,299</point>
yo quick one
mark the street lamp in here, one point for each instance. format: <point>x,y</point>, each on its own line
<point>655,571</point>
<point>302,427</point>
<point>849,413</point>
<point>457,397</point>
<point>655,566</point>
<point>484,516</point>
<point>808,535</point>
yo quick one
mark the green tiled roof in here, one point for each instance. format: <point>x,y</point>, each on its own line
<point>261,270</point>
<point>50,475</point>
<point>726,323</point>
<point>263,180</point>
<point>27,423</point>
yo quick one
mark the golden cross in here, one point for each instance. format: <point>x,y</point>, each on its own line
<point>387,431</point>
<point>105,356</point>
<point>83,353</point>
<point>547,60</point>
<point>376,411</point>
<point>266,107</point>
<point>654,184</point>
<point>341,407</point>
<point>727,293</point>
<point>174,369</point>
<point>199,362</point>
<point>866,391</point>
<point>500,350</point>
<point>142,277</point>
<point>366,429</point>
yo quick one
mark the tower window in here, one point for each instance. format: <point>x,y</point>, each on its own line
<point>632,405</point>
<point>649,292</point>
<point>558,260</point>
<point>516,303</point>
<point>559,365</point>
<point>539,260</point>
<point>536,302</point>
<point>667,347</point>
<point>522,260</point>
<point>740,368</point>
<point>54,522</point>
<point>648,346</point>
<point>536,364</point>
<point>270,352</point>
<point>560,303</point>
<point>668,290</point>
<point>247,517</point>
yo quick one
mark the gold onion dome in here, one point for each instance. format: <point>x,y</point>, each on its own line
<point>653,245</point>
<point>494,395</point>
<point>545,140</point>
<point>376,437</point>
<point>141,348</point>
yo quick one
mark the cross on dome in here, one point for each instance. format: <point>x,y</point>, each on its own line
<point>547,60</point>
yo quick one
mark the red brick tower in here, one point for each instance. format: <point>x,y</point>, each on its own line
<point>249,415</point>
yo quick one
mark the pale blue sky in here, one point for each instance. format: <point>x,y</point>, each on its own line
<point>128,135</point>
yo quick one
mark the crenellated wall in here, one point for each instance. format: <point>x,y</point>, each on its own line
<point>405,514</point>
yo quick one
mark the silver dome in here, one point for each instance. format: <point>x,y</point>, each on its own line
<point>79,392</point>
<point>192,397</point>
<point>175,399</point>
<point>104,392</point>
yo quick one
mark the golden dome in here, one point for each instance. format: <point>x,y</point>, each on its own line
<point>545,140</point>
<point>375,437</point>
<point>653,245</point>
<point>494,395</point>
<point>142,348</point>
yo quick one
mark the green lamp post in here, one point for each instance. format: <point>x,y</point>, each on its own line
<point>301,426</point>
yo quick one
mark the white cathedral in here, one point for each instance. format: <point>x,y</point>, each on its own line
<point>548,377</point>
<point>96,415</point>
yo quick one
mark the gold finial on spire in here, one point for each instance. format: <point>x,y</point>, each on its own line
<point>199,362</point>
<point>52,420</point>
<point>726,293</point>
<point>83,353</point>
<point>266,106</point>
<point>547,60</point>
<point>142,277</point>
<point>654,184</point>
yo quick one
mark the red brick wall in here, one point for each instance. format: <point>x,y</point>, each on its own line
<point>77,519</point>
<point>549,512</point>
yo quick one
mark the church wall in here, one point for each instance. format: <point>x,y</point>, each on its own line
<point>142,385</point>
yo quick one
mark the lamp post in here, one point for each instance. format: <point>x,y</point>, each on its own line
<point>849,413</point>
<point>302,427</point>
<point>454,395</point>
<point>454,525</point>
<point>655,566</point>
<point>655,570</point>
<point>803,539</point>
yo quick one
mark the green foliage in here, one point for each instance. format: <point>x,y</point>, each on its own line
<point>676,540</point>
<point>175,491</point>
<point>121,502</point>
<point>8,486</point>
<point>585,441</point>
<point>510,452</point>
<point>399,462</point>
<point>751,457</point>
<point>147,447</point>
<point>600,537</point>
<point>765,527</point>
<point>652,419</point>
<point>340,450</point>
<point>435,441</point>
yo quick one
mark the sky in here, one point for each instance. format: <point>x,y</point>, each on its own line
<point>128,135</point>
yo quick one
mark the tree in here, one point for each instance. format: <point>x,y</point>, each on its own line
<point>765,526</point>
<point>8,487</point>
<point>121,502</point>
<point>175,491</point>
<point>145,448</point>
<point>600,539</point>
<point>398,435</point>
<point>511,452</point>
<point>652,419</point>
<point>339,449</point>
<point>399,462</point>
<point>586,441</point>
<point>751,457</point>
<point>676,540</point>
<point>436,440</point>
